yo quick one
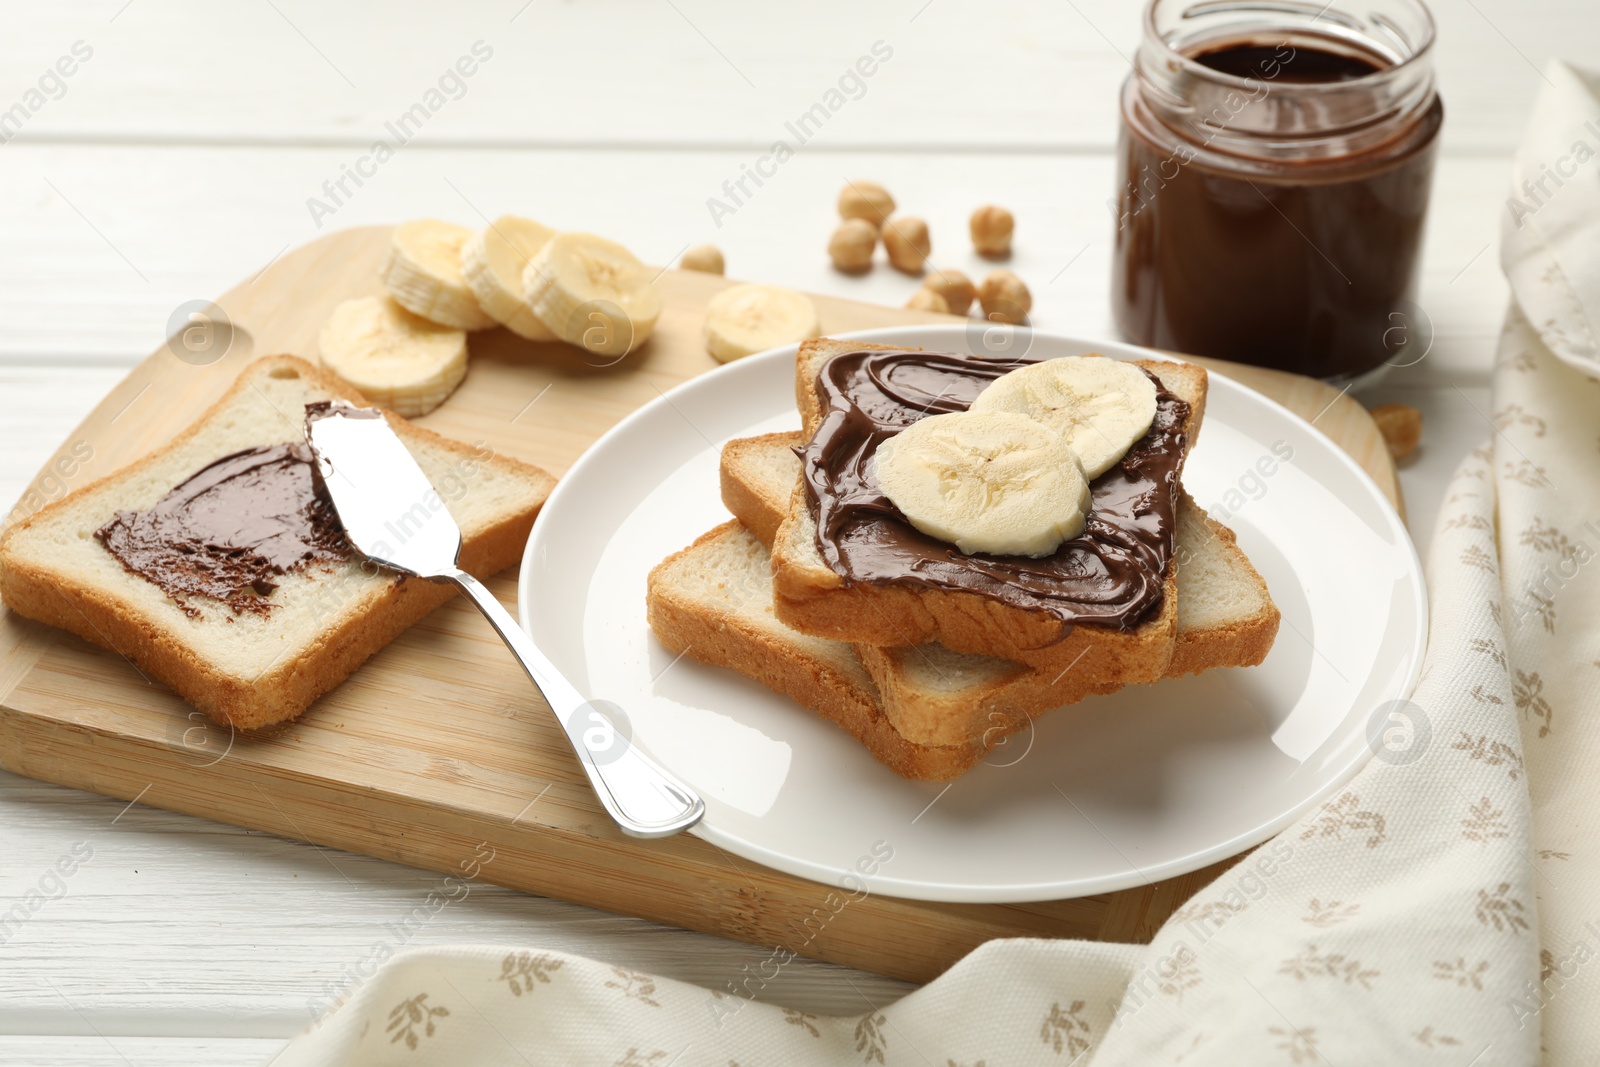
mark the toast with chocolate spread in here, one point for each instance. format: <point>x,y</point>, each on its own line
<point>932,720</point>
<point>931,695</point>
<point>215,564</point>
<point>860,573</point>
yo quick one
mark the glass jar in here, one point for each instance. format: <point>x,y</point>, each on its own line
<point>1275,160</point>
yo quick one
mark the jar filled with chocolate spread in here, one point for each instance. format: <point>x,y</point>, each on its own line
<point>1275,161</point>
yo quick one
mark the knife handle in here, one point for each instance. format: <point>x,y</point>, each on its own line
<point>644,798</point>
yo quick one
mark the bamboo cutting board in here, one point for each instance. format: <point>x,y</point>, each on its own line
<point>438,744</point>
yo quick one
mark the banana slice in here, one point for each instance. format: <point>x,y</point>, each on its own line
<point>993,482</point>
<point>395,358</point>
<point>493,262</point>
<point>593,293</point>
<point>423,274</point>
<point>1100,406</point>
<point>747,319</point>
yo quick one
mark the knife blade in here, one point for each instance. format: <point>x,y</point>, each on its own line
<point>392,513</point>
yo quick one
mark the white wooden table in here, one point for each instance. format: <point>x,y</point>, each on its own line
<point>179,158</point>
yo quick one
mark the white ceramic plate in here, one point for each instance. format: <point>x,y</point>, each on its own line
<point>1113,792</point>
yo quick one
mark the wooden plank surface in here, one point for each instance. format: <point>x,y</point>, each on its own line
<point>1031,74</point>
<point>99,1050</point>
<point>115,237</point>
<point>375,769</point>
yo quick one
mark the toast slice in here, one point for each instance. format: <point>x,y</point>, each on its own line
<point>814,599</point>
<point>713,601</point>
<point>931,694</point>
<point>252,669</point>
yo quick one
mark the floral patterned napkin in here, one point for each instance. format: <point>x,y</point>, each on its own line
<point>1444,908</point>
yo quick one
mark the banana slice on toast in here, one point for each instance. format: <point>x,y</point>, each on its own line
<point>992,482</point>
<point>1100,406</point>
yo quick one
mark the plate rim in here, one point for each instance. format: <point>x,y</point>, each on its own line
<point>1018,893</point>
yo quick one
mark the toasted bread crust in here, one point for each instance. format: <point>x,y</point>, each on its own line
<point>894,616</point>
<point>1013,697</point>
<point>1241,644</point>
<point>725,639</point>
<point>743,491</point>
<point>282,693</point>
<point>286,689</point>
<point>814,599</point>
<point>746,493</point>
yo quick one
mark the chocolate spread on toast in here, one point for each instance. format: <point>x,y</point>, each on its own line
<point>1110,575</point>
<point>229,530</point>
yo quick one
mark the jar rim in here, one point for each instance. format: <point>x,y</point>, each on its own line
<point>1195,68</point>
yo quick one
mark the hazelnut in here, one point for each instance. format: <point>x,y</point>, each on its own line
<point>865,200</point>
<point>991,231</point>
<point>926,299</point>
<point>905,238</point>
<point>852,245</point>
<point>956,288</point>
<point>704,258</point>
<point>1401,426</point>
<point>1005,298</point>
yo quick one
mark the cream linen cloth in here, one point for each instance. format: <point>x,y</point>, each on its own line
<point>1444,908</point>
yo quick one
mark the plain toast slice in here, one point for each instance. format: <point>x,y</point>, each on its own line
<point>812,598</point>
<point>1226,618</point>
<point>253,669</point>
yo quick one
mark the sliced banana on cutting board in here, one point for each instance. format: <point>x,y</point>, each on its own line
<point>395,358</point>
<point>1101,407</point>
<point>492,263</point>
<point>423,274</point>
<point>746,319</point>
<point>994,482</point>
<point>593,293</point>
